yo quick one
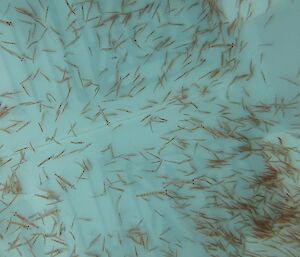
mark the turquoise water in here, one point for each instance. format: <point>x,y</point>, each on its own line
<point>149,128</point>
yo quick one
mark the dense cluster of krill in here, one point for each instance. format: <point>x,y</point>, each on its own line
<point>241,199</point>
